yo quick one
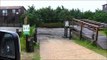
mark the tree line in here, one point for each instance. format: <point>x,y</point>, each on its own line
<point>49,15</point>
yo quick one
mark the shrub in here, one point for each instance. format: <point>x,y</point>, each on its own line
<point>23,37</point>
<point>52,25</point>
<point>22,42</point>
<point>32,30</point>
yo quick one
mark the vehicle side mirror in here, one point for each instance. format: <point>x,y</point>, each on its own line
<point>9,46</point>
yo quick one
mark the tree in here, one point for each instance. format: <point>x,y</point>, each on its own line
<point>88,15</point>
<point>76,13</point>
<point>100,16</point>
<point>49,15</point>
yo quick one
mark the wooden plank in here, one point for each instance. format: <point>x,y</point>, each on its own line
<point>93,25</point>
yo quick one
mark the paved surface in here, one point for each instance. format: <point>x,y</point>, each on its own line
<point>11,28</point>
<point>54,47</point>
<point>44,33</point>
<point>63,49</point>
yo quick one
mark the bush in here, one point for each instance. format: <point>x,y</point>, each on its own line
<point>52,25</point>
<point>23,43</point>
<point>32,30</point>
<point>23,37</point>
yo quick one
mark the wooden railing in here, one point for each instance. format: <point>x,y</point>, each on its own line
<point>93,27</point>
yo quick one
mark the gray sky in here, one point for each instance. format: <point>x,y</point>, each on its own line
<point>69,4</point>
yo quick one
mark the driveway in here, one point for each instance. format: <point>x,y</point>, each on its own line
<point>54,47</point>
<point>11,28</point>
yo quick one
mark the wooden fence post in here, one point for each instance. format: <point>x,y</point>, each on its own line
<point>81,28</point>
<point>70,30</point>
<point>96,36</point>
<point>27,43</point>
<point>35,35</point>
<point>65,32</point>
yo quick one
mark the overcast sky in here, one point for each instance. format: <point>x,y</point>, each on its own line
<point>69,4</point>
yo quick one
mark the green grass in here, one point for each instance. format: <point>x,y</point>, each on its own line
<point>22,42</point>
<point>91,46</point>
<point>31,55</point>
<point>37,52</point>
<point>102,32</point>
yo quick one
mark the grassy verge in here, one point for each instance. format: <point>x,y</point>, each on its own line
<point>102,32</point>
<point>91,46</point>
<point>31,55</point>
<point>36,55</point>
<point>23,43</point>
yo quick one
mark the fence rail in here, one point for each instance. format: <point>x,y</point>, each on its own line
<point>83,24</point>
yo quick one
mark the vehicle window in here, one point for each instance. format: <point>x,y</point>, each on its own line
<point>7,48</point>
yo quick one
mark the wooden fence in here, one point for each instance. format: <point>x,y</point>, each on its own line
<point>80,25</point>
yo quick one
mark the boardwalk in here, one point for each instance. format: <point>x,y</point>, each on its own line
<point>54,47</point>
